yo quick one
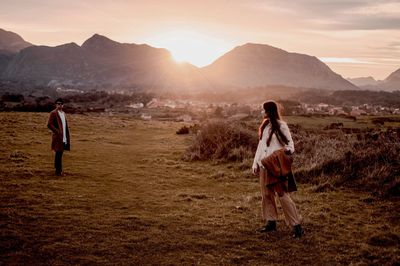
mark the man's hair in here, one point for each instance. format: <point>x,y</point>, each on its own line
<point>60,100</point>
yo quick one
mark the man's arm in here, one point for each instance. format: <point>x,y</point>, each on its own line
<point>50,123</point>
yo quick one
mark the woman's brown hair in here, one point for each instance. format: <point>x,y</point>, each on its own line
<point>271,109</point>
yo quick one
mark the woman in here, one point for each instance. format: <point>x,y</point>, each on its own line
<point>274,134</point>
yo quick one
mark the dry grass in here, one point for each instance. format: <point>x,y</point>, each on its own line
<point>222,141</point>
<point>367,160</point>
<point>128,198</point>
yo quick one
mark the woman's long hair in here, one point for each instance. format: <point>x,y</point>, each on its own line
<point>272,112</point>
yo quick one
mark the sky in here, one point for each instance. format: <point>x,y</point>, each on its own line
<point>355,38</point>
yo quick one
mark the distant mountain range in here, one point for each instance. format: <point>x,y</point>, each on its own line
<point>392,82</point>
<point>100,61</point>
<point>363,81</point>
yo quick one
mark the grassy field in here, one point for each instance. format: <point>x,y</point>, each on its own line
<point>361,122</point>
<point>128,198</point>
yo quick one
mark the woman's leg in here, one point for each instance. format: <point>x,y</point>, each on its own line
<point>290,211</point>
<point>268,203</point>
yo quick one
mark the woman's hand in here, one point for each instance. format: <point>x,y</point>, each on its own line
<point>288,151</point>
<point>256,169</point>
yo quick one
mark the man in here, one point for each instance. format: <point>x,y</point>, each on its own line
<point>60,138</point>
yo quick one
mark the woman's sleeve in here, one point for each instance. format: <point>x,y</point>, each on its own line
<point>286,132</point>
<point>256,157</point>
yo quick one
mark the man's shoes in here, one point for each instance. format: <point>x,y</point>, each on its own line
<point>58,173</point>
<point>298,231</point>
<point>269,227</point>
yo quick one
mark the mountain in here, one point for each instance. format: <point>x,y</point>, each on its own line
<point>392,82</point>
<point>11,42</point>
<point>101,61</point>
<point>363,81</point>
<point>42,63</point>
<point>253,65</point>
<point>5,59</point>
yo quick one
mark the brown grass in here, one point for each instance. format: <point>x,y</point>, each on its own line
<point>367,160</point>
<point>128,198</point>
<point>222,141</point>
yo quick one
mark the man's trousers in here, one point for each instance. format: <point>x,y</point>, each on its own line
<point>58,162</point>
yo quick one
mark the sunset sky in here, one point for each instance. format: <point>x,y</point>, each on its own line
<point>355,38</point>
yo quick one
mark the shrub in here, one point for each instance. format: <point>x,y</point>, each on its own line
<point>366,161</point>
<point>183,130</point>
<point>223,141</point>
<point>12,98</point>
<point>360,163</point>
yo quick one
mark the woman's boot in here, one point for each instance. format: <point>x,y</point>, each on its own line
<point>298,231</point>
<point>269,227</point>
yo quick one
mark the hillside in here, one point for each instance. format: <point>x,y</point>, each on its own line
<point>393,81</point>
<point>101,61</point>
<point>363,81</point>
<point>253,65</point>
<point>11,42</point>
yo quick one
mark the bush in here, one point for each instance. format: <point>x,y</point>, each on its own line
<point>370,164</point>
<point>16,98</point>
<point>183,130</point>
<point>223,141</point>
<point>366,161</point>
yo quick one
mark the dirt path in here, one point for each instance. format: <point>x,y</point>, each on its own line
<point>128,198</point>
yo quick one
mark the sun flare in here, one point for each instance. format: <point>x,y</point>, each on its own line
<point>191,47</point>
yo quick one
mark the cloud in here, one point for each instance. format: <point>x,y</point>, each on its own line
<point>340,15</point>
<point>394,44</point>
<point>389,8</point>
<point>365,23</point>
<point>342,60</point>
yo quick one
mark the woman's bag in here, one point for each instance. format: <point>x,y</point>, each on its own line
<point>278,164</point>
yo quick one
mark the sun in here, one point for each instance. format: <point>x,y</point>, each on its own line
<point>190,46</point>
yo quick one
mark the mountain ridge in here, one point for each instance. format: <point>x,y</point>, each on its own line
<point>390,83</point>
<point>12,42</point>
<point>262,64</point>
<point>102,61</point>
<point>363,81</point>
